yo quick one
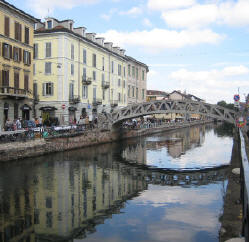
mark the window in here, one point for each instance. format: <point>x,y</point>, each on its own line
<point>142,93</point>
<point>72,69</point>
<point>34,69</point>
<point>71,90</point>
<point>133,91</point>
<point>7,51</point>
<point>72,52</point>
<point>17,54</point>
<point>119,70</point>
<point>84,56</point>
<point>103,94</point>
<point>48,89</point>
<point>143,75</point>
<point>124,71</point>
<point>119,97</point>
<point>35,91</point>
<point>18,31</point>
<point>136,92</point>
<point>7,26</point>
<point>35,51</point>
<point>26,37</point>
<point>49,24</point>
<point>94,75</point>
<point>124,98</point>
<point>84,74</point>
<point>129,91</point>
<point>123,83</point>
<point>5,78</point>
<point>16,80</point>
<point>112,67</point>
<point>133,71</point>
<point>119,82</point>
<point>48,50</point>
<point>26,57</point>
<point>85,92</point>
<point>94,60</point>
<point>137,73</point>
<point>103,63</point>
<point>26,82</point>
<point>103,77</point>
<point>49,219</point>
<point>71,26</point>
<point>129,70</point>
<point>48,68</point>
<point>48,202</point>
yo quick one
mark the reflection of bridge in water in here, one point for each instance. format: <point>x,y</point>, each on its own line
<point>64,196</point>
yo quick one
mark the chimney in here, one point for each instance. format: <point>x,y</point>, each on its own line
<point>108,45</point>
<point>91,36</point>
<point>100,41</point>
<point>116,50</point>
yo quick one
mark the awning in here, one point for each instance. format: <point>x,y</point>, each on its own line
<point>25,107</point>
<point>48,108</point>
<point>72,108</point>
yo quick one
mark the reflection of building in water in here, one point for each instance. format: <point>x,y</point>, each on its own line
<point>16,209</point>
<point>135,151</point>
<point>75,193</point>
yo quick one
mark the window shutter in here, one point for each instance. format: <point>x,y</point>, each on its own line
<point>10,51</point>
<point>20,32</point>
<point>23,56</point>
<point>3,53</point>
<point>7,26</point>
<point>29,58</point>
<point>52,85</point>
<point>20,54</point>
<point>43,89</point>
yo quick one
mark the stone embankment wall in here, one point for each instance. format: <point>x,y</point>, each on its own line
<point>38,147</point>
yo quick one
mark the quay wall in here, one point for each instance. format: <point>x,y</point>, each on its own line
<point>39,147</point>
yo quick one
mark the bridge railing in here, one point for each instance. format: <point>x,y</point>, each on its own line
<point>244,176</point>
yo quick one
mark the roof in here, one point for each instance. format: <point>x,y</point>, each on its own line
<point>60,28</point>
<point>156,93</point>
<point>187,96</point>
<point>12,7</point>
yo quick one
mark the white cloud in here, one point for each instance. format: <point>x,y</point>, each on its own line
<point>47,7</point>
<point>147,23</point>
<point>213,85</point>
<point>200,15</point>
<point>135,11</point>
<point>157,40</point>
<point>194,17</point>
<point>168,4</point>
<point>108,16</point>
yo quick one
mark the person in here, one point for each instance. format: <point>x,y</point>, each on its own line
<point>40,121</point>
<point>18,124</point>
<point>87,121</point>
<point>36,122</point>
<point>8,125</point>
<point>91,121</point>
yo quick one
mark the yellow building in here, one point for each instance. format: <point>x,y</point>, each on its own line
<point>76,73</point>
<point>16,51</point>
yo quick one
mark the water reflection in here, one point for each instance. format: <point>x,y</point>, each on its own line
<point>63,197</point>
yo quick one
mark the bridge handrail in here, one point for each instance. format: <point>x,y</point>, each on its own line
<point>244,175</point>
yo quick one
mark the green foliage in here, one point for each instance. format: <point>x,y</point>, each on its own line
<point>225,105</point>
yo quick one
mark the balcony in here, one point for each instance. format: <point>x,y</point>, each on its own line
<point>105,85</point>
<point>13,92</point>
<point>97,101</point>
<point>74,99</point>
<point>86,81</point>
<point>114,103</point>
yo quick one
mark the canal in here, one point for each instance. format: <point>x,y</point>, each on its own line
<point>145,189</point>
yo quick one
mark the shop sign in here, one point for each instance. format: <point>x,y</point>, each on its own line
<point>63,106</point>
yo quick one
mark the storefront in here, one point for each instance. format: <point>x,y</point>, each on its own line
<point>25,112</point>
<point>72,114</point>
<point>5,112</point>
<point>48,115</point>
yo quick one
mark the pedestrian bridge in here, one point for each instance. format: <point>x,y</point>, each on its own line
<point>184,107</point>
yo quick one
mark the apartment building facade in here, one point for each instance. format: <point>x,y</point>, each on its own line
<point>137,81</point>
<point>16,51</point>
<point>76,73</point>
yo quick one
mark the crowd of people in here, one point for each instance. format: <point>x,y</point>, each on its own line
<point>18,124</point>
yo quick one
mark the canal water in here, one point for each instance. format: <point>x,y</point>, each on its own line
<point>148,189</point>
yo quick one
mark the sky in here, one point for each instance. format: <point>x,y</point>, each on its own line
<point>197,46</point>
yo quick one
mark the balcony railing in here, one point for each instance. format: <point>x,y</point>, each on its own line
<point>97,101</point>
<point>114,103</point>
<point>74,99</point>
<point>105,84</point>
<point>14,92</point>
<point>86,80</point>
